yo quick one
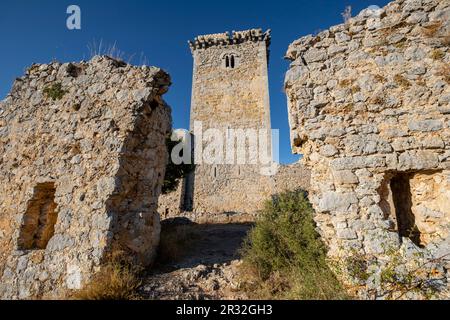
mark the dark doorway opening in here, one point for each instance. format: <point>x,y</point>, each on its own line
<point>402,200</point>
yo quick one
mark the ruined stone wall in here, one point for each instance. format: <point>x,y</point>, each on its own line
<point>291,177</point>
<point>82,161</point>
<point>369,109</point>
<point>288,177</point>
<point>170,204</point>
<point>226,96</point>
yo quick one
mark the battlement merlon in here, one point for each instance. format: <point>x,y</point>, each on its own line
<point>223,39</point>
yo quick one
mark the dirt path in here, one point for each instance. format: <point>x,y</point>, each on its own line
<point>207,268</point>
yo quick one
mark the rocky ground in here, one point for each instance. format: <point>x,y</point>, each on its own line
<point>206,270</point>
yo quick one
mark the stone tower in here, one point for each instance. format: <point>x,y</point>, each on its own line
<point>229,90</point>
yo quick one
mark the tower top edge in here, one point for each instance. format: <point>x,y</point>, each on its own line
<point>225,38</point>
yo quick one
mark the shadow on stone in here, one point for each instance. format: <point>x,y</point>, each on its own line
<point>185,244</point>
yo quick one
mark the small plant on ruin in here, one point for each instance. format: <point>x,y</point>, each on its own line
<point>352,268</point>
<point>437,55</point>
<point>401,44</point>
<point>394,277</point>
<point>401,81</point>
<point>118,279</point>
<point>284,256</point>
<point>55,91</point>
<point>379,78</point>
<point>101,48</point>
<point>357,266</point>
<point>76,107</point>
<point>401,276</point>
<point>356,89</point>
<point>174,173</point>
<point>346,83</point>
<point>377,99</point>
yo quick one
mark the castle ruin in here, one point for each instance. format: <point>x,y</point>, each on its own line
<point>230,91</point>
<point>82,162</point>
<point>369,109</point>
<point>83,151</point>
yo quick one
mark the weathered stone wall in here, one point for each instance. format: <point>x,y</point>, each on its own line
<point>170,204</point>
<point>82,161</point>
<point>431,205</point>
<point>291,177</point>
<point>226,96</point>
<point>369,109</point>
<point>238,188</point>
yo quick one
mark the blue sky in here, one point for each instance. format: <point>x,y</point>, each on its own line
<point>35,32</point>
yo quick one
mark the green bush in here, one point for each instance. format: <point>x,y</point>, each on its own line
<point>174,173</point>
<point>55,92</point>
<point>284,254</point>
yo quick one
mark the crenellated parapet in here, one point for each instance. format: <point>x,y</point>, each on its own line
<point>223,39</point>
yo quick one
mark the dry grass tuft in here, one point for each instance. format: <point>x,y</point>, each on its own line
<point>377,100</point>
<point>117,280</point>
<point>437,55</point>
<point>402,81</point>
<point>356,89</point>
<point>346,83</point>
<point>111,50</point>
<point>400,45</point>
<point>379,78</point>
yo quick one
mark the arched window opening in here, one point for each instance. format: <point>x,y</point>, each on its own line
<point>230,61</point>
